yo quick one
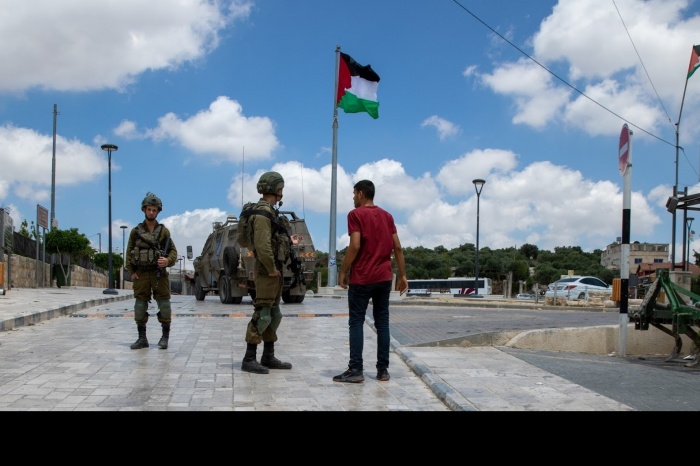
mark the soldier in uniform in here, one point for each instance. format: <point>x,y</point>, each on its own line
<point>271,250</point>
<point>149,252</point>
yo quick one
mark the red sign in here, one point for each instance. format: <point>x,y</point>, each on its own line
<point>624,152</point>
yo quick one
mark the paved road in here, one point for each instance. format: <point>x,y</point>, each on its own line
<point>80,359</point>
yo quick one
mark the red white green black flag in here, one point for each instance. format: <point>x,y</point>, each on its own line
<point>357,87</point>
<point>694,60</point>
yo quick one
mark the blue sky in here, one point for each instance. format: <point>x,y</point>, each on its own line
<point>203,97</point>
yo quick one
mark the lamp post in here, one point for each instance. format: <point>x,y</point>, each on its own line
<point>123,227</point>
<point>182,281</point>
<point>478,186</point>
<point>110,148</point>
<point>689,221</point>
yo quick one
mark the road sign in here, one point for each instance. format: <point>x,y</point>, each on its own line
<point>42,216</point>
<point>624,149</point>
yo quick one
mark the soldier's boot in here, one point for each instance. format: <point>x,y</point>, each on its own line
<point>142,342</point>
<point>163,343</point>
<point>269,360</point>
<point>250,363</point>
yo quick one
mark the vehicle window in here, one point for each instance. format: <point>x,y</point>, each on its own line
<point>598,282</point>
<point>594,282</point>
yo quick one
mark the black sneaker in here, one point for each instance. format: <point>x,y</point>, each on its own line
<point>351,376</point>
<point>383,375</point>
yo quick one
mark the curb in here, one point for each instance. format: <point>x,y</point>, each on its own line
<point>32,318</point>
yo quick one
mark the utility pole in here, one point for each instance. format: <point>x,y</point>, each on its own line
<point>52,224</point>
<point>52,219</point>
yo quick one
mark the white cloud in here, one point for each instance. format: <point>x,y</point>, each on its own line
<point>26,158</point>
<point>444,128</point>
<point>614,76</point>
<point>75,45</point>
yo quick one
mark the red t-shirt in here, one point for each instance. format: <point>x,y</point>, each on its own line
<point>373,261</point>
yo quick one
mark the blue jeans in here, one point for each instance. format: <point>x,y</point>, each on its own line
<point>358,300</point>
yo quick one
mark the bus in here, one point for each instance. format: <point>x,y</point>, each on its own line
<point>448,286</point>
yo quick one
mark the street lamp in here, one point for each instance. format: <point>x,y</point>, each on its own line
<point>182,281</point>
<point>110,148</point>
<point>123,227</point>
<point>478,186</point>
<point>689,221</point>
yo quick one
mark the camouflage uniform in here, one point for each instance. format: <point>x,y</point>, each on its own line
<point>271,249</point>
<point>142,260</point>
<point>143,250</point>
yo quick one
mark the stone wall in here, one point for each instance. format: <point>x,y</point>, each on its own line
<point>594,298</point>
<point>24,274</point>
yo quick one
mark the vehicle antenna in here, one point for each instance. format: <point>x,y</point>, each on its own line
<point>303,209</point>
<point>242,175</point>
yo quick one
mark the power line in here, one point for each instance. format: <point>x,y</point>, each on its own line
<point>651,82</point>
<point>642,63</point>
<point>562,79</point>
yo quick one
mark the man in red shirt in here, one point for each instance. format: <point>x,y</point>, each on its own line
<point>373,238</point>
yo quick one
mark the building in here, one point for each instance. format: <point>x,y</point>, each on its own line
<point>649,270</point>
<point>639,253</point>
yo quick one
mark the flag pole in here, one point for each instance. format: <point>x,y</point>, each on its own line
<point>332,266</point>
<point>675,186</point>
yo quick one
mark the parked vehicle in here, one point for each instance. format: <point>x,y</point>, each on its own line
<point>576,287</point>
<point>226,269</point>
<point>451,285</point>
<point>525,296</point>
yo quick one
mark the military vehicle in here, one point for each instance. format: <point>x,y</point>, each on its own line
<point>226,269</point>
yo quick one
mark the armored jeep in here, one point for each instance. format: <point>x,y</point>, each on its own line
<point>226,269</point>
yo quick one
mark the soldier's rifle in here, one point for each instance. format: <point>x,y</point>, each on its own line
<point>162,253</point>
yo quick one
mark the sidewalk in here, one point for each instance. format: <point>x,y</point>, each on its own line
<point>28,306</point>
<point>485,378</point>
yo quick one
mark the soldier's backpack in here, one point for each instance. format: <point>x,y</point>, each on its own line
<point>245,230</point>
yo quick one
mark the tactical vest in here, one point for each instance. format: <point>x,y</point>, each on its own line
<point>280,241</point>
<point>146,250</point>
<point>284,242</point>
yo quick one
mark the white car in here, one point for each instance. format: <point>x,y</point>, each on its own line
<point>525,296</point>
<point>576,287</point>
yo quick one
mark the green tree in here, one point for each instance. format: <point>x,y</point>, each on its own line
<point>497,264</point>
<point>68,242</point>
<point>26,230</point>
<point>530,251</point>
<point>545,273</point>
<point>101,259</point>
<point>520,269</point>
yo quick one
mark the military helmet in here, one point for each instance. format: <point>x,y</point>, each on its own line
<point>151,199</point>
<point>270,182</point>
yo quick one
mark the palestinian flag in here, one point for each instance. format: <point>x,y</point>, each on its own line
<point>694,60</point>
<point>357,87</point>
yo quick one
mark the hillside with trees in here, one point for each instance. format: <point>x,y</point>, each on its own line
<point>496,264</point>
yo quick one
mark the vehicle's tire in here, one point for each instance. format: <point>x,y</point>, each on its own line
<point>230,261</point>
<point>199,292</point>
<point>225,290</point>
<point>287,297</point>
